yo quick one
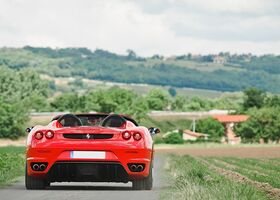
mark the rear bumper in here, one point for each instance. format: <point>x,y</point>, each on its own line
<point>87,172</point>
<point>59,161</point>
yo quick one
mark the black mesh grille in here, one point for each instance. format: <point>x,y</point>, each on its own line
<point>87,172</point>
<point>87,136</point>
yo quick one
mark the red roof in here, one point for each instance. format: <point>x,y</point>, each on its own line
<point>231,118</point>
<point>195,134</point>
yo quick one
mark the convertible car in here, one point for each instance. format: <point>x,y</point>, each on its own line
<point>90,148</point>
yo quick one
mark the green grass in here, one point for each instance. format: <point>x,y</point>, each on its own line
<point>189,179</point>
<point>12,149</point>
<point>11,164</point>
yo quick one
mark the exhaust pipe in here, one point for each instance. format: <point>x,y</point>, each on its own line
<point>42,167</point>
<point>133,168</point>
<point>140,168</point>
<point>35,167</point>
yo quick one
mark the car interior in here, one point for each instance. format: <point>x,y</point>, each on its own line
<point>105,120</point>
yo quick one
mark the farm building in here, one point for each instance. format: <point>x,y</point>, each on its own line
<point>229,121</point>
<point>219,60</point>
<point>190,135</point>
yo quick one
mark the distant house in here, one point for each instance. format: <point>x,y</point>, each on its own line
<point>229,121</point>
<point>190,135</point>
<point>219,59</point>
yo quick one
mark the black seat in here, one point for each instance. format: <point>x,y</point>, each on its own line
<point>113,121</point>
<point>69,120</point>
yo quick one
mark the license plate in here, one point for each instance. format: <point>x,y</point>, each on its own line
<point>88,154</point>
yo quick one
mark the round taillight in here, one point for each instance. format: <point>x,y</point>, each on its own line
<point>49,134</point>
<point>137,136</point>
<point>39,135</point>
<point>126,135</point>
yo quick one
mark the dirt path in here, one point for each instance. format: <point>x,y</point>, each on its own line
<point>9,142</point>
<point>271,191</point>
<point>230,151</point>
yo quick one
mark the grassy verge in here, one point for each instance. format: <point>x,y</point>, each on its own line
<point>11,163</point>
<point>194,181</point>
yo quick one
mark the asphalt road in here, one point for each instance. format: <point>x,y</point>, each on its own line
<point>84,191</point>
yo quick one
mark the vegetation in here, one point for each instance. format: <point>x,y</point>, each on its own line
<point>20,91</point>
<point>174,138</point>
<point>236,73</point>
<point>212,127</point>
<point>255,169</point>
<point>11,164</point>
<point>263,123</point>
<point>253,98</point>
<point>191,179</point>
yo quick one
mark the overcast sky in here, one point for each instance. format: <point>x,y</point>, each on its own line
<point>166,27</point>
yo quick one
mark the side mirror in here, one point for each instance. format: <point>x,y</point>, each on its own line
<point>28,130</point>
<point>154,130</point>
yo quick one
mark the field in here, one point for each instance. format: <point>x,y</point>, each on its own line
<point>223,172</point>
<point>201,66</point>
<point>63,85</point>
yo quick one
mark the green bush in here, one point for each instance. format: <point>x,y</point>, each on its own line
<point>210,126</point>
<point>263,124</point>
<point>20,91</point>
<point>174,138</point>
<point>12,119</point>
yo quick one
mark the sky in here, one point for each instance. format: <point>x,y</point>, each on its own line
<point>165,27</point>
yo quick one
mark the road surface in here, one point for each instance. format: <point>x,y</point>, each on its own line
<point>84,191</point>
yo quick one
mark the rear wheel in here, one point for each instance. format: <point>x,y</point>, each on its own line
<point>144,184</point>
<point>33,183</point>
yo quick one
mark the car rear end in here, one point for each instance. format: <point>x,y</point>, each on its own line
<point>94,154</point>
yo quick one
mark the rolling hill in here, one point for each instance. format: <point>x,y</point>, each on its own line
<point>223,72</point>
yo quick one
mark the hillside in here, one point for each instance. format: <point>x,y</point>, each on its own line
<point>223,72</point>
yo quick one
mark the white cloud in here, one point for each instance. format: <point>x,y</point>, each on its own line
<point>151,26</point>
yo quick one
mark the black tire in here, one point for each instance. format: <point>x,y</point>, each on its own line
<point>144,184</point>
<point>32,183</point>
<point>138,184</point>
<point>149,180</point>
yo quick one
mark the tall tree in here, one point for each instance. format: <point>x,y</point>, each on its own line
<point>253,97</point>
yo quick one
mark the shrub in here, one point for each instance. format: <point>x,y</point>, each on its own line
<point>210,126</point>
<point>174,138</point>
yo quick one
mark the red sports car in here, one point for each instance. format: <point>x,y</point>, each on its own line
<point>90,148</point>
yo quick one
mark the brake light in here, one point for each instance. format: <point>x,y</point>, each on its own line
<point>49,134</point>
<point>137,136</point>
<point>38,135</point>
<point>126,135</point>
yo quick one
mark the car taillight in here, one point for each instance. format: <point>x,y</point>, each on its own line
<point>49,134</point>
<point>137,136</point>
<point>38,135</point>
<point>126,135</point>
